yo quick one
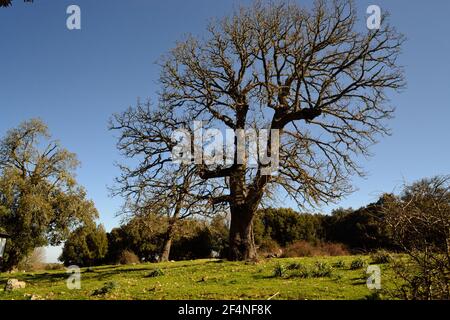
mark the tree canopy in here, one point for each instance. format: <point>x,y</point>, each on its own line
<point>86,246</point>
<point>40,201</point>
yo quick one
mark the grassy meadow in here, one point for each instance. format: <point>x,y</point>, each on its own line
<point>289,278</point>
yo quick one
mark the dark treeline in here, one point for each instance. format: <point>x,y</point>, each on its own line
<point>361,230</point>
<point>142,239</point>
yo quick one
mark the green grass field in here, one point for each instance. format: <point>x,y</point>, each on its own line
<point>203,279</point>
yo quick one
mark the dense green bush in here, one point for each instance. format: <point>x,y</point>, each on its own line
<point>321,270</point>
<point>144,237</point>
<point>318,270</point>
<point>381,257</point>
<point>294,266</point>
<point>286,226</point>
<point>361,230</point>
<point>279,271</point>
<point>108,287</point>
<point>86,246</point>
<point>358,263</point>
<point>155,273</point>
<point>302,271</point>
<point>339,264</point>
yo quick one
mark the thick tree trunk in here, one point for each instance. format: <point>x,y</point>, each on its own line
<point>242,243</point>
<point>166,250</point>
<point>167,243</point>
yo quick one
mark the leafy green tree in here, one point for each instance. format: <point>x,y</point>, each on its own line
<point>286,225</point>
<point>219,231</point>
<point>86,246</point>
<point>142,235</point>
<point>40,200</point>
<point>363,229</point>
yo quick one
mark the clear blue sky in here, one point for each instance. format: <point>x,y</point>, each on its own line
<point>75,80</point>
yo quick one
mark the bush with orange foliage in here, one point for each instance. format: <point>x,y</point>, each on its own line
<point>128,257</point>
<point>307,249</point>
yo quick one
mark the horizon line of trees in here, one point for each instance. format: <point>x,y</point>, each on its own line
<point>360,230</point>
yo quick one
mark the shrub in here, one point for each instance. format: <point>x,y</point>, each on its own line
<point>381,257</point>
<point>107,288</point>
<point>299,249</point>
<point>128,257</point>
<point>54,266</point>
<point>322,269</point>
<point>334,249</point>
<point>279,271</point>
<point>357,264</point>
<point>86,246</point>
<point>419,221</point>
<point>416,282</point>
<point>156,273</point>
<point>339,264</point>
<point>303,272</point>
<point>319,270</point>
<point>269,248</point>
<point>294,266</point>
<point>306,249</point>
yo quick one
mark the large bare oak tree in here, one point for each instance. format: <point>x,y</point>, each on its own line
<point>308,73</point>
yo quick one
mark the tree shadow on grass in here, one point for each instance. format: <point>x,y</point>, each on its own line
<point>357,281</point>
<point>216,261</point>
<point>60,276</point>
<point>264,277</point>
<point>42,277</point>
<point>114,273</point>
<point>127,270</point>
